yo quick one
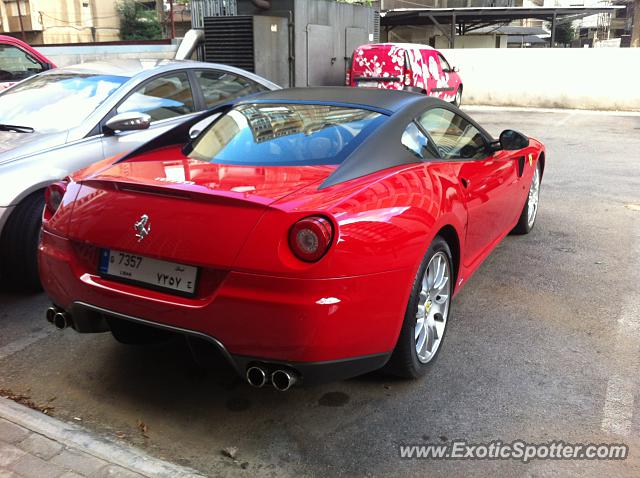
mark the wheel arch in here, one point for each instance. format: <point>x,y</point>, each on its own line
<point>450,235</point>
<point>20,199</point>
<point>541,158</point>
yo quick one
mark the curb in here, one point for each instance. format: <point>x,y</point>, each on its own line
<point>101,447</point>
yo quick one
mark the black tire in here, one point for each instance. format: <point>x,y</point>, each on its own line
<point>130,333</point>
<point>19,244</point>
<point>524,226</point>
<point>457,100</point>
<point>404,361</point>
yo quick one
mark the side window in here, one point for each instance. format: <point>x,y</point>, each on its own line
<point>454,136</point>
<point>444,63</point>
<point>218,86</point>
<point>161,98</point>
<point>415,141</point>
<point>16,64</point>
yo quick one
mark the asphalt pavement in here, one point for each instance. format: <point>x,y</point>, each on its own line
<point>543,345</point>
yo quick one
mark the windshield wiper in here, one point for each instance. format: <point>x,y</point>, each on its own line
<point>16,129</point>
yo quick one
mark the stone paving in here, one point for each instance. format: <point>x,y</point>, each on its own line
<point>34,445</point>
<point>27,454</point>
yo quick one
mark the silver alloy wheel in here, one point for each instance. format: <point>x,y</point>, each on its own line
<point>458,98</point>
<point>534,197</point>
<point>433,307</point>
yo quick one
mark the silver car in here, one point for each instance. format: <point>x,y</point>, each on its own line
<point>65,119</point>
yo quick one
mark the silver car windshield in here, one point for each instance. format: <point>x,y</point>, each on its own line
<point>56,102</point>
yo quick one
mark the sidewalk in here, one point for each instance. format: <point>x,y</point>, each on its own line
<point>34,445</point>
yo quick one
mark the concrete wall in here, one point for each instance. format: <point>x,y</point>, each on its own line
<point>337,16</point>
<point>473,41</point>
<point>71,55</point>
<point>587,78</point>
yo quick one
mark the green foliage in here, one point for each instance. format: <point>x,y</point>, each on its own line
<point>565,33</point>
<point>137,22</point>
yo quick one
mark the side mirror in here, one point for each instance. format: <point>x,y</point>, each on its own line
<point>131,121</point>
<point>511,140</point>
<point>455,69</point>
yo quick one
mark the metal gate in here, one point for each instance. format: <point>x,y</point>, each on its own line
<point>211,8</point>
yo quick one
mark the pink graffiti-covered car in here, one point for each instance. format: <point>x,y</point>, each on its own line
<point>405,66</point>
<point>19,61</point>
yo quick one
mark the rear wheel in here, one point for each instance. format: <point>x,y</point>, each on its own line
<point>427,313</point>
<point>19,244</point>
<point>530,209</point>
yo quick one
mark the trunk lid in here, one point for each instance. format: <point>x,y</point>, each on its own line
<point>199,213</point>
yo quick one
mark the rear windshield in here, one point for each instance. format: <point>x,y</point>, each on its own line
<point>284,135</point>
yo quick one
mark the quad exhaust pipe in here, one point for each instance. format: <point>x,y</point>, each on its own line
<point>256,376</point>
<point>281,379</point>
<point>59,318</point>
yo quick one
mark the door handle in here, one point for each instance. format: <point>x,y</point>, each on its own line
<point>465,182</point>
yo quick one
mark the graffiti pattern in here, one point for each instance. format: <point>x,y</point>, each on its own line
<point>389,60</point>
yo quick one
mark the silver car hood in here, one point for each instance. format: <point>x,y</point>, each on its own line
<point>14,146</point>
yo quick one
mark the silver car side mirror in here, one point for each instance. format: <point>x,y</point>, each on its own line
<point>130,121</point>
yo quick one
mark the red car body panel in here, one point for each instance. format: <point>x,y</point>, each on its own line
<point>270,291</point>
<point>232,222</point>
<point>400,66</point>
<point>14,42</point>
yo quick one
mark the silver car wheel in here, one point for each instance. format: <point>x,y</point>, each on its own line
<point>534,197</point>
<point>433,307</point>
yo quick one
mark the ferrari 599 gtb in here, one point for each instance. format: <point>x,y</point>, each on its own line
<point>309,234</point>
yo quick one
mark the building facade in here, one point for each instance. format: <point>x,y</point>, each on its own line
<point>44,22</point>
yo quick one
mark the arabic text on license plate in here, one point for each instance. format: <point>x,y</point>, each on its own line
<point>162,274</point>
<point>368,84</point>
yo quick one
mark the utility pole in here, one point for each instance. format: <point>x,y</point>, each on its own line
<point>173,20</point>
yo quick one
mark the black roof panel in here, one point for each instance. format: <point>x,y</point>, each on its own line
<point>390,100</point>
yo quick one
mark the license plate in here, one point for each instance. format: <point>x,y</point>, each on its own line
<point>164,275</point>
<point>368,84</point>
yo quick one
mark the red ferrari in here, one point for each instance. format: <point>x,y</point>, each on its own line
<point>309,234</point>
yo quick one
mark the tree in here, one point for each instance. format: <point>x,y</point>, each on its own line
<point>137,22</point>
<point>565,33</point>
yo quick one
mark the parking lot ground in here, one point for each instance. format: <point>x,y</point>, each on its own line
<point>543,345</point>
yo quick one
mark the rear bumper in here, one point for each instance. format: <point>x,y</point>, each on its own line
<point>92,319</point>
<point>252,317</point>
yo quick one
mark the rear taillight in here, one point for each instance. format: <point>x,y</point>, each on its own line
<point>310,238</point>
<point>53,196</point>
